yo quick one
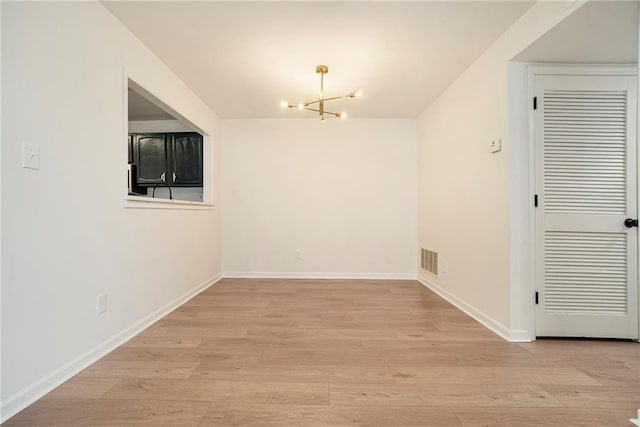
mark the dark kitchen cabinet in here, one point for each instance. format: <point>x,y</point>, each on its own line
<point>186,159</point>
<point>150,156</point>
<point>172,158</point>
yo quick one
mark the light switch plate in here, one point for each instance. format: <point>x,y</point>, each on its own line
<point>496,145</point>
<point>101,304</point>
<point>30,156</point>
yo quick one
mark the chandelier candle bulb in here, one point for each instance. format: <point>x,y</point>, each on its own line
<point>310,105</point>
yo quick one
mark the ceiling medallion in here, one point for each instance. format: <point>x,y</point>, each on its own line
<point>322,70</point>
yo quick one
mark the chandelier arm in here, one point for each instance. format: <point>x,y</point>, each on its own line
<point>330,113</point>
<point>327,99</point>
<point>337,97</point>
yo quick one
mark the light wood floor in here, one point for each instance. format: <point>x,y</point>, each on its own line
<point>331,353</point>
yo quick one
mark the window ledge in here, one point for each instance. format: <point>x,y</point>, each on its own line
<point>148,203</point>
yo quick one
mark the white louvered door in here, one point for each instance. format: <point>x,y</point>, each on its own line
<point>586,182</point>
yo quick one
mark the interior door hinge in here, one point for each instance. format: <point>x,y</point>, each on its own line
<point>535,200</point>
<point>536,298</point>
<point>535,102</point>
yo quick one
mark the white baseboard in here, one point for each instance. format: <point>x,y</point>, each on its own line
<point>318,275</point>
<point>489,322</point>
<point>520,335</point>
<point>25,397</point>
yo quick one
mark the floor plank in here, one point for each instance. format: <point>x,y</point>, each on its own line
<point>145,341</point>
<point>259,344</point>
<point>305,374</point>
<point>327,416</point>
<point>68,412</point>
<point>485,395</point>
<point>543,417</point>
<point>618,376</point>
<point>182,355</point>
<point>139,369</point>
<point>356,334</point>
<point>490,375</point>
<point>81,387</point>
<point>579,396</point>
<point>320,357</point>
<point>250,392</point>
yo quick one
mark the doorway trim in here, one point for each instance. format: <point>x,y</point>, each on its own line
<point>563,69</point>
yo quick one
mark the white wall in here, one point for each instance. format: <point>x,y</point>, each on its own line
<point>465,192</point>
<point>343,192</point>
<point>520,203</point>
<point>63,242</point>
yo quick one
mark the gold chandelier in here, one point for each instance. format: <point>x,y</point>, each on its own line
<point>322,70</point>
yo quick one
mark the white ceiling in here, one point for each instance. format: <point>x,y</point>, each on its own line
<point>242,58</point>
<point>598,32</point>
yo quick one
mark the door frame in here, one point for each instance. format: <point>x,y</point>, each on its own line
<point>560,70</point>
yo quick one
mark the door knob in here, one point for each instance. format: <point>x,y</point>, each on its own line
<point>630,222</point>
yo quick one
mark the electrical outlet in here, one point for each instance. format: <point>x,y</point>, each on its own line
<point>445,267</point>
<point>30,156</point>
<point>102,303</point>
<point>496,145</point>
<point>299,253</point>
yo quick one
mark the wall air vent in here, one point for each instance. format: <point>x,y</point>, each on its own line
<point>429,261</point>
